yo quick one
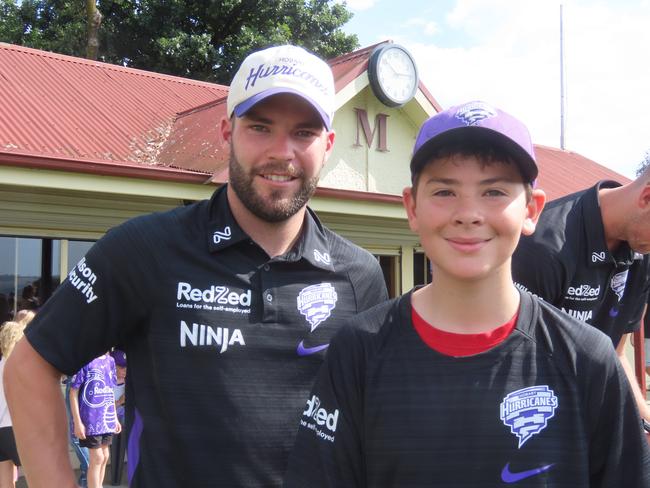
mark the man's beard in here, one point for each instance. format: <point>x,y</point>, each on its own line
<point>277,208</point>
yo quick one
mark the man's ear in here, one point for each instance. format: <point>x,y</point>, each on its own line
<point>643,201</point>
<point>329,144</point>
<point>226,129</point>
<point>408,199</point>
<point>533,211</point>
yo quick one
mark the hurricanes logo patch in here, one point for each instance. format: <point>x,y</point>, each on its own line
<point>220,235</point>
<point>316,303</point>
<point>528,410</point>
<point>471,113</point>
<point>618,283</point>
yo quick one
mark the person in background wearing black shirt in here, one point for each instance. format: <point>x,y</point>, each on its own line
<point>467,381</point>
<point>225,307</point>
<point>589,257</point>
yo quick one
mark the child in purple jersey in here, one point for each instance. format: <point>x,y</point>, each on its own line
<point>92,405</point>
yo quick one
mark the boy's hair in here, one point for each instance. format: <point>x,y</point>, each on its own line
<point>475,129</point>
<point>486,154</point>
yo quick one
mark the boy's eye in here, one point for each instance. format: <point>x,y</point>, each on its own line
<point>258,128</point>
<point>494,193</point>
<point>442,193</point>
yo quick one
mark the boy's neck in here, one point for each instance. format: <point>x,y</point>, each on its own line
<point>467,307</point>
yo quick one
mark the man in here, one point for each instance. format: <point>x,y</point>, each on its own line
<point>225,308</point>
<point>589,258</point>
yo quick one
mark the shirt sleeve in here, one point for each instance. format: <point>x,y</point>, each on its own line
<point>537,270</point>
<point>328,448</point>
<point>619,454</point>
<point>97,306</point>
<point>78,378</point>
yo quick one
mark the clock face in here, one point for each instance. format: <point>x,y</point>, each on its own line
<point>393,75</point>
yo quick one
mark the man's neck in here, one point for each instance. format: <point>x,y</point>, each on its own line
<point>276,238</point>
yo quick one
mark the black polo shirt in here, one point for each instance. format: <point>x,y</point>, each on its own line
<point>222,342</point>
<point>567,263</point>
<point>549,407</point>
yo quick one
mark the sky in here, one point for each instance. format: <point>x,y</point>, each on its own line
<point>507,53</point>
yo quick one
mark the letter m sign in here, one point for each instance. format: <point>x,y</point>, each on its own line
<point>363,125</point>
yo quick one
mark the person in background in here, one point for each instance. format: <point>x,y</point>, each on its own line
<point>10,333</point>
<point>118,446</point>
<point>589,257</point>
<point>81,453</point>
<point>92,406</point>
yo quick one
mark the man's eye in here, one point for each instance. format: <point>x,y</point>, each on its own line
<point>306,133</point>
<point>442,193</point>
<point>494,193</point>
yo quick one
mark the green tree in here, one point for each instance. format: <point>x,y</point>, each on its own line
<point>201,39</point>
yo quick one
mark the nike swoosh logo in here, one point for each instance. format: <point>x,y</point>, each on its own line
<point>306,351</point>
<point>509,477</point>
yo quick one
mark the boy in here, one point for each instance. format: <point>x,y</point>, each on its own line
<point>92,406</point>
<point>467,382</point>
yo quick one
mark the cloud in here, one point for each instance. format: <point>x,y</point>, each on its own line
<point>429,27</point>
<point>510,57</point>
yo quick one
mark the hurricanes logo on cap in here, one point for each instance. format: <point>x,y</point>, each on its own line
<point>316,303</point>
<point>528,410</point>
<point>474,112</point>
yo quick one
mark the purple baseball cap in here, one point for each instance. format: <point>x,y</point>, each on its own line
<point>476,121</point>
<point>119,357</point>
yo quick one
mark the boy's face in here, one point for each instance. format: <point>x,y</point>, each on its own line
<point>470,215</point>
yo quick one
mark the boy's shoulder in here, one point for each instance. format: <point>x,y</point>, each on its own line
<point>564,336</point>
<point>372,328</point>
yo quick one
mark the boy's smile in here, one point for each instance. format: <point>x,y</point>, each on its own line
<point>469,216</point>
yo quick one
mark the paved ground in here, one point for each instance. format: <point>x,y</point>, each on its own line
<point>21,483</point>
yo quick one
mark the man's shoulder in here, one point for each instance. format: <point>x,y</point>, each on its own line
<point>164,225</point>
<point>572,337</point>
<point>345,253</point>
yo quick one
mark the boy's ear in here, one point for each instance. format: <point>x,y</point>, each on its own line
<point>533,210</point>
<point>408,199</point>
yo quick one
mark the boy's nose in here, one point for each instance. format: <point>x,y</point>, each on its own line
<point>468,213</point>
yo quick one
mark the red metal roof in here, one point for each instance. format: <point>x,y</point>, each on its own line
<point>562,172</point>
<point>62,106</point>
<point>80,115</point>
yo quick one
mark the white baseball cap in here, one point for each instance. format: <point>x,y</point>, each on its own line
<point>283,69</point>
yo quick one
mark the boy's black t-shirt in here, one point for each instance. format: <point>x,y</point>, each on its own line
<point>223,343</point>
<point>548,407</point>
<point>567,263</point>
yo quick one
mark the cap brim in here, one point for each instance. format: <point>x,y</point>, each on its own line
<point>241,109</point>
<point>526,163</point>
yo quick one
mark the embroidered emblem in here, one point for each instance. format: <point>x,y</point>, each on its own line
<point>474,112</point>
<point>618,284</point>
<point>598,257</point>
<point>528,410</point>
<point>225,235</point>
<point>322,257</point>
<point>316,303</point>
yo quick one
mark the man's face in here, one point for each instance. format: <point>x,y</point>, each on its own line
<point>278,149</point>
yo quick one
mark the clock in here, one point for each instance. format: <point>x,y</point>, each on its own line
<point>393,74</point>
